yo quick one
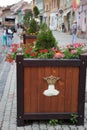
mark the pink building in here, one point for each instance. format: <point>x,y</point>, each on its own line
<point>81,15</point>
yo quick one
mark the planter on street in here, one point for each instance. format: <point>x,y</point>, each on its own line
<point>29,38</point>
<point>50,89</point>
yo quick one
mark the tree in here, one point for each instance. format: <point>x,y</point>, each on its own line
<point>27,18</point>
<point>34,27</point>
<point>36,11</point>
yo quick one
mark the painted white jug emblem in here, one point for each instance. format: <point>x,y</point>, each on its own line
<point>51,91</point>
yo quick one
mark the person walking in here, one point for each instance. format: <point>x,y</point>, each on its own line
<point>4,38</point>
<point>9,34</point>
<point>74,31</point>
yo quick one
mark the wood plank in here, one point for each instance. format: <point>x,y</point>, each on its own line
<point>34,89</point>
<point>61,87</point>
<point>75,85</point>
<point>41,86</point>
<point>26,89</point>
<point>47,101</point>
<point>68,89</point>
<point>55,99</point>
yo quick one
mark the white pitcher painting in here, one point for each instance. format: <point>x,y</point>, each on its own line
<point>51,91</point>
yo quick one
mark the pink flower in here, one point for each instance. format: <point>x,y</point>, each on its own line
<point>59,55</point>
<point>73,51</point>
<point>54,49</point>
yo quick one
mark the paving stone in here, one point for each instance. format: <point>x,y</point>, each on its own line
<point>58,127</point>
<point>5,128</point>
<point>20,128</point>
<point>72,127</point>
<point>12,127</point>
<point>85,125</point>
<point>28,127</point>
<point>81,128</point>
<point>65,127</point>
<point>5,125</point>
<point>42,125</point>
<point>35,128</point>
<point>50,127</point>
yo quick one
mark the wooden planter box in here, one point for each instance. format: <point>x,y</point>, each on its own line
<point>32,104</point>
<point>29,38</point>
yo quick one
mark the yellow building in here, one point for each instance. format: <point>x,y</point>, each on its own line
<point>46,15</point>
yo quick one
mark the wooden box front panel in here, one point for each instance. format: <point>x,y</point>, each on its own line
<point>34,86</point>
<point>27,40</point>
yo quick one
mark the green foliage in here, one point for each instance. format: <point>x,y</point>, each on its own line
<point>36,11</point>
<point>74,118</point>
<point>53,122</point>
<point>43,27</point>
<point>46,55</point>
<point>34,27</point>
<point>45,39</point>
<point>26,19</point>
<point>69,55</point>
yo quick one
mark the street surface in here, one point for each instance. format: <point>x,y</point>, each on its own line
<point>65,38</point>
<point>6,67</point>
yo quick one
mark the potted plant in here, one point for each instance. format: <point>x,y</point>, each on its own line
<point>31,27</point>
<point>50,80</point>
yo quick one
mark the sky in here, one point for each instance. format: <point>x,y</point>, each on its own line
<point>10,2</point>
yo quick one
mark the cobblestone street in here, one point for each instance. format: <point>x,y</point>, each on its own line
<point>65,38</point>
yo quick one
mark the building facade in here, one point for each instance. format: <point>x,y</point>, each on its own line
<point>60,14</point>
<point>6,12</point>
<point>40,6</point>
<point>19,10</point>
<point>81,14</point>
<point>53,14</point>
<point>46,15</point>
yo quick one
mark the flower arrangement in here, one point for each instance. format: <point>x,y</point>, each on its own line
<point>46,47</point>
<point>71,51</point>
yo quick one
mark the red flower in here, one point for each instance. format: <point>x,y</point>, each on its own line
<point>28,50</point>
<point>15,45</point>
<point>13,49</point>
<point>9,58</point>
<point>43,51</point>
<point>33,54</point>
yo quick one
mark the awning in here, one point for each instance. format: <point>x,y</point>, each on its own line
<point>66,12</point>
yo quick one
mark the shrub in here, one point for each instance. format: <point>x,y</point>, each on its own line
<point>45,39</point>
<point>26,19</point>
<point>36,11</point>
<point>33,27</point>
